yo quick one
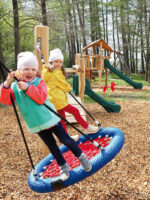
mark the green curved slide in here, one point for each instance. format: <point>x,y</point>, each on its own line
<point>107,105</point>
<point>122,76</point>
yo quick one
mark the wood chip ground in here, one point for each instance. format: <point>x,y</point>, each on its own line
<point>126,177</point>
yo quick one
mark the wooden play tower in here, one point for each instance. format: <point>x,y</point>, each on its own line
<point>94,62</point>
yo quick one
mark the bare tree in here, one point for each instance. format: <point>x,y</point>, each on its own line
<point>81,20</point>
<point>124,34</point>
<point>71,33</point>
<point>44,13</point>
<point>16,29</point>
<point>76,29</point>
<point>148,53</point>
<point>2,72</point>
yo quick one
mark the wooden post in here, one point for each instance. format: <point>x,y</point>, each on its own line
<point>100,66</point>
<point>82,79</point>
<point>43,33</point>
<point>106,77</point>
<point>77,58</point>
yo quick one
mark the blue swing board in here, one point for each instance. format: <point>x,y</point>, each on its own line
<point>78,174</point>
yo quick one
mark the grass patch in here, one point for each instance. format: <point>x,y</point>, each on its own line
<point>113,96</point>
<point>135,77</point>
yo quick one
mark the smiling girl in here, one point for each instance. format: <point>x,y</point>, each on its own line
<point>57,89</point>
<point>30,93</point>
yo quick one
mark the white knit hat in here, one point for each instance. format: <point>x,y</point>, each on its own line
<point>56,54</point>
<point>27,59</point>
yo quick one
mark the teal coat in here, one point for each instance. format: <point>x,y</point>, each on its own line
<point>37,117</point>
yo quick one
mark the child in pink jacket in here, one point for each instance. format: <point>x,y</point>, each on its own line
<point>30,93</point>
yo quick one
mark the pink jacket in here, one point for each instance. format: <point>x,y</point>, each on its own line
<point>38,94</point>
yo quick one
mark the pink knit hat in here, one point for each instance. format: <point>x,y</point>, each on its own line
<point>56,54</point>
<point>27,59</point>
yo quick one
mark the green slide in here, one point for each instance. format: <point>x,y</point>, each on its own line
<point>107,105</point>
<point>121,75</point>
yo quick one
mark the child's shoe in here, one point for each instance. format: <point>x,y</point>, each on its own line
<point>64,171</point>
<point>91,129</point>
<point>85,162</point>
<point>75,137</point>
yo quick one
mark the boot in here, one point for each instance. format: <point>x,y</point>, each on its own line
<point>75,137</point>
<point>85,162</point>
<point>64,171</point>
<point>91,129</point>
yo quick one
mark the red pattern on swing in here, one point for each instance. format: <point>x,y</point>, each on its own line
<point>87,147</point>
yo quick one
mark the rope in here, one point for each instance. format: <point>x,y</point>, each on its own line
<point>20,126</point>
<point>95,143</point>
<point>86,110</point>
<point>24,139</point>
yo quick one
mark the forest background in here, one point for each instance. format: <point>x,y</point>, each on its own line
<point>73,24</point>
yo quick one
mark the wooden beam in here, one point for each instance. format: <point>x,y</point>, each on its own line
<point>77,58</point>
<point>82,79</point>
<point>43,33</point>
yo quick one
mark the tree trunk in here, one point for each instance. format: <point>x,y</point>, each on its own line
<point>44,13</point>
<point>113,29</point>
<point>91,20</point>
<point>2,72</point>
<point>71,34</point>
<point>124,35</point>
<point>97,13</point>
<point>148,54</point>
<point>81,24</point>
<point>16,29</point>
<point>94,20</point>
<point>106,22</point>
<point>103,19</point>
<point>78,50</point>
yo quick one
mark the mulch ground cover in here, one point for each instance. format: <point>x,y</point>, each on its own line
<point>126,177</point>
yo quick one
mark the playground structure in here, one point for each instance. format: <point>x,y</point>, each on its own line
<point>95,61</point>
<point>100,62</point>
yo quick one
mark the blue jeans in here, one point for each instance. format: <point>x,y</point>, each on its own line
<point>49,140</point>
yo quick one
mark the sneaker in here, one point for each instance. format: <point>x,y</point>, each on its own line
<point>85,162</point>
<point>91,129</point>
<point>75,137</point>
<point>64,172</point>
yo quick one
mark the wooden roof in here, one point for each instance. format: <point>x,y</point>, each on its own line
<point>97,43</point>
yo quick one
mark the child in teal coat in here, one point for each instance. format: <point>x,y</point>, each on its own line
<point>30,93</point>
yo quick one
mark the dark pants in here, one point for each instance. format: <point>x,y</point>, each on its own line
<point>49,140</point>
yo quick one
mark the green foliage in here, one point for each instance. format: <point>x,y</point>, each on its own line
<point>6,27</point>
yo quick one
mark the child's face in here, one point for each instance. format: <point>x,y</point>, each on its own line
<point>28,74</point>
<point>57,64</point>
